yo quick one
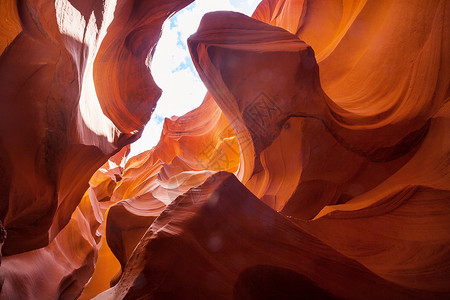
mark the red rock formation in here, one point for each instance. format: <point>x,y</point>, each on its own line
<point>333,117</point>
<point>66,109</point>
<point>221,234</point>
<point>62,268</point>
<point>72,126</point>
<point>188,153</point>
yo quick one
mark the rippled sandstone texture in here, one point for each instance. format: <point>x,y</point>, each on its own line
<point>317,165</point>
<point>75,89</point>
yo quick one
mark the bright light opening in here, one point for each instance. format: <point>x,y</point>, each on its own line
<point>173,70</point>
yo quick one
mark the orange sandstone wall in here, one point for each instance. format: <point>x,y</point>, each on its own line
<point>75,89</point>
<point>317,165</point>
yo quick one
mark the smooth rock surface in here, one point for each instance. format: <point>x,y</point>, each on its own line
<point>317,165</point>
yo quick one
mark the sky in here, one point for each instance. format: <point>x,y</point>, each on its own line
<point>173,70</point>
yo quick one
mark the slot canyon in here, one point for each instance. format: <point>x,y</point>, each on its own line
<point>316,166</point>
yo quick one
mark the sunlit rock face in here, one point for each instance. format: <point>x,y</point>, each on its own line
<point>317,165</point>
<point>75,89</point>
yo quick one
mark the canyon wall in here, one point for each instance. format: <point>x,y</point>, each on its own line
<point>317,165</point>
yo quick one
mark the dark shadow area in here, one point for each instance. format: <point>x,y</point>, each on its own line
<point>86,8</point>
<point>270,282</point>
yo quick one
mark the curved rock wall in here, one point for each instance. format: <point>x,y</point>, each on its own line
<point>317,165</point>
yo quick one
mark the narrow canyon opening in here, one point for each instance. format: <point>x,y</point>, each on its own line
<point>173,70</point>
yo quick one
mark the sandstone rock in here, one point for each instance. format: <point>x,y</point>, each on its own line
<point>213,241</point>
<point>317,165</point>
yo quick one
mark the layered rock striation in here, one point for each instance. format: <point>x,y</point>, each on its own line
<point>317,165</point>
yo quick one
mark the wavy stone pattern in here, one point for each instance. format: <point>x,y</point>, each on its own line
<point>317,165</point>
<point>58,127</point>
